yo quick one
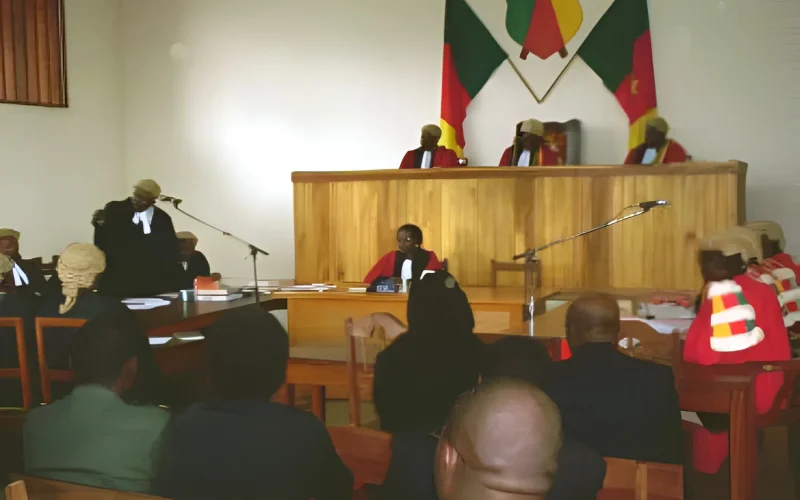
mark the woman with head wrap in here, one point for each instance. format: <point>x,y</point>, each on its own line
<point>421,374</point>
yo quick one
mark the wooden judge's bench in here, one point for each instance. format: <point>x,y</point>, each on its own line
<point>345,221</point>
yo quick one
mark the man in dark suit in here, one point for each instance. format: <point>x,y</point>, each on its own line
<point>138,238</point>
<point>619,406</point>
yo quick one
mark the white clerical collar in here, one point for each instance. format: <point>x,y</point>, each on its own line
<point>524,158</point>
<point>20,278</point>
<point>145,217</point>
<point>426,159</point>
<point>649,156</point>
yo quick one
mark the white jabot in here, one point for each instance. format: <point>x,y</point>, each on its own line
<point>185,265</point>
<point>426,160</point>
<point>524,158</point>
<point>649,156</point>
<point>405,272</point>
<point>20,278</point>
<point>146,218</point>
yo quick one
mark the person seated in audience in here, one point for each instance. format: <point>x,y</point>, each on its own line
<point>27,274</point>
<point>78,269</point>
<point>429,154</point>
<point>580,470</point>
<point>501,442</point>
<point>193,262</point>
<point>618,406</point>
<point>739,320</point>
<point>529,149</point>
<point>140,244</point>
<point>92,436</point>
<point>656,148</point>
<point>419,376</point>
<point>241,445</point>
<point>408,261</point>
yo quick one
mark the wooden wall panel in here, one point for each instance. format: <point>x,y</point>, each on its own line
<point>32,57</point>
<point>344,221</point>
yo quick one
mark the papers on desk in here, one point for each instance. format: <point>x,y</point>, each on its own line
<point>665,311</point>
<point>171,295</point>
<point>665,326</point>
<point>145,303</point>
<point>314,287</point>
<point>158,340</point>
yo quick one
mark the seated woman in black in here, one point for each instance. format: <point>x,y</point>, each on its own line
<point>408,261</point>
<point>193,262</point>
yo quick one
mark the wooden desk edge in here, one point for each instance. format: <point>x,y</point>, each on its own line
<point>693,168</point>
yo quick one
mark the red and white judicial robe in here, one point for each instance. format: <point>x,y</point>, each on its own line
<point>387,266</point>
<point>546,157</point>
<point>440,158</point>
<point>671,152</point>
<point>740,320</point>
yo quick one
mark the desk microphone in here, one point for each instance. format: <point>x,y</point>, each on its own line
<point>647,205</point>
<point>178,201</point>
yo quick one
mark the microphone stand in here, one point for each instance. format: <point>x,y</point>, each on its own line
<point>254,250</point>
<point>532,259</point>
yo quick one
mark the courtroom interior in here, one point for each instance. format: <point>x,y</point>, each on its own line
<point>414,250</point>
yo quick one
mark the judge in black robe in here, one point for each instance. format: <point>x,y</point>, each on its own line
<point>139,241</point>
<point>27,276</point>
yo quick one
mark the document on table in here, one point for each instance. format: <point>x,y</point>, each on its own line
<point>145,303</point>
<point>158,340</point>
<point>665,326</point>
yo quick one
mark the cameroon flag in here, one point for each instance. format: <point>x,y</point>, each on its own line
<point>619,50</point>
<point>471,56</point>
<point>543,27</point>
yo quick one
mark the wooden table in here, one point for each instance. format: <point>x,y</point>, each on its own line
<point>181,316</point>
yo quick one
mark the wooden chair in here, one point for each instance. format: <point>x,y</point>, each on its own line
<point>21,372</point>
<point>377,328</point>
<point>16,491</point>
<point>48,489</point>
<point>504,267</point>
<point>47,375</point>
<point>365,452</point>
<point>628,479</point>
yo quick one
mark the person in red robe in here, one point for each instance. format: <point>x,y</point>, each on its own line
<point>529,148</point>
<point>656,148</point>
<point>429,154</point>
<point>409,258</point>
<point>739,320</point>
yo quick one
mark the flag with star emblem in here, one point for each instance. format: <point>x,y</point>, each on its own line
<point>620,52</point>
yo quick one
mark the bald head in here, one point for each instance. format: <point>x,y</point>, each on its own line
<point>593,319</point>
<point>500,442</point>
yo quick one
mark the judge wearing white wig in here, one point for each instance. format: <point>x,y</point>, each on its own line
<point>430,154</point>
<point>140,244</point>
<point>529,148</point>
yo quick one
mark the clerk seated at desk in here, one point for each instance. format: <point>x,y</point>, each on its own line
<point>529,149</point>
<point>408,261</point>
<point>193,262</point>
<point>429,154</point>
<point>656,148</point>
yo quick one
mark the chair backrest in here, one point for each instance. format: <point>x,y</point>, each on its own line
<point>641,481</point>
<point>21,372</point>
<point>365,452</point>
<point>47,375</point>
<point>47,489</point>
<point>16,491</point>
<point>377,329</point>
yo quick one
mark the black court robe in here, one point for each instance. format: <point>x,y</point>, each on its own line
<point>137,264</point>
<point>196,265</point>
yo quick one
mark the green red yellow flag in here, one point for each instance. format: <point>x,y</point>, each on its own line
<point>543,27</point>
<point>619,50</point>
<point>471,56</point>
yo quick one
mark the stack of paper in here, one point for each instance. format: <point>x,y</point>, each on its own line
<point>145,303</point>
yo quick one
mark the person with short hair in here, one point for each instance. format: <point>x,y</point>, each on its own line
<point>26,275</point>
<point>140,244</point>
<point>239,444</point>
<point>408,261</point>
<point>500,442</point>
<point>92,436</point>
<point>656,148</point>
<point>429,154</point>
<point>529,148</point>
<point>618,406</point>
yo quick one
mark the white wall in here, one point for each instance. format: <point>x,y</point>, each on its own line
<point>58,165</point>
<point>223,100</point>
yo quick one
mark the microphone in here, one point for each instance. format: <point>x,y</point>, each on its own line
<point>170,199</point>
<point>647,205</point>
